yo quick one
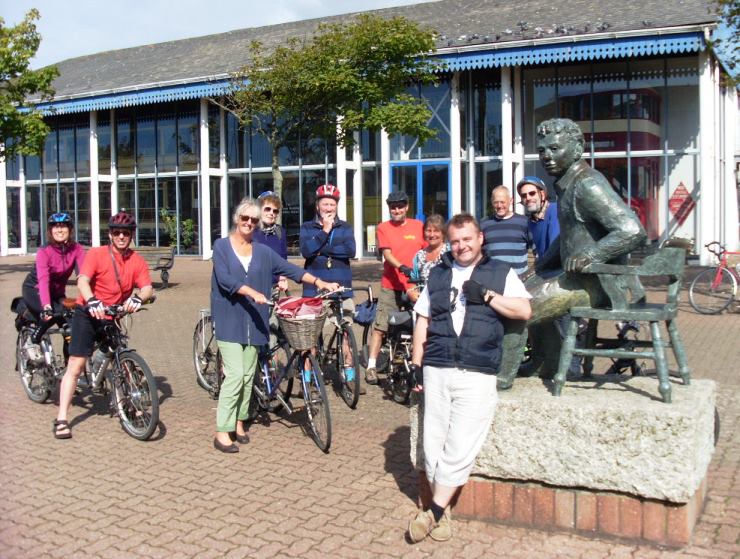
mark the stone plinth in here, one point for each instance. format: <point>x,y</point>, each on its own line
<point>599,436</point>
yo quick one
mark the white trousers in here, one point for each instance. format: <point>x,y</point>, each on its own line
<point>458,410</point>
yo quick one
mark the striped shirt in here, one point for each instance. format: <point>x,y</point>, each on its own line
<point>507,240</point>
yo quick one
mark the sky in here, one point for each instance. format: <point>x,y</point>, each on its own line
<point>71,28</point>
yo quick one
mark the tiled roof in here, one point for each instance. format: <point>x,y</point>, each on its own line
<point>459,23</point>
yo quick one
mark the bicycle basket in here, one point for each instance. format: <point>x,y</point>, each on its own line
<point>302,333</point>
<point>365,312</point>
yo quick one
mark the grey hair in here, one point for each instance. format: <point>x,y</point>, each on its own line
<point>501,188</point>
<point>243,206</point>
<point>561,125</point>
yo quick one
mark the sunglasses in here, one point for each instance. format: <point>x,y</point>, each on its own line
<point>249,219</point>
<point>271,210</point>
<point>396,206</point>
<point>532,194</point>
<point>119,232</point>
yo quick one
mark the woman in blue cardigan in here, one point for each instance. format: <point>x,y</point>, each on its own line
<point>240,288</point>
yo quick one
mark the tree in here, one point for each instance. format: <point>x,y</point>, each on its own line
<point>346,77</point>
<point>725,42</point>
<point>22,130</point>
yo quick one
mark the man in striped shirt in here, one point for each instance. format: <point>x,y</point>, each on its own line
<point>507,236</point>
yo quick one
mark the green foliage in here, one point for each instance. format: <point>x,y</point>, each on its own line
<point>187,228</point>
<point>725,43</point>
<point>22,132</point>
<point>358,71</point>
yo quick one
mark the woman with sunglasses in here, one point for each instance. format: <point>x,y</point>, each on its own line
<point>270,232</point>
<point>44,286</point>
<point>240,288</point>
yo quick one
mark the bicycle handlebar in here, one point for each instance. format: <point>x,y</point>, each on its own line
<point>718,252</point>
<point>118,311</point>
<point>368,289</point>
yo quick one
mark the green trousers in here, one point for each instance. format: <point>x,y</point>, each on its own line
<point>240,362</point>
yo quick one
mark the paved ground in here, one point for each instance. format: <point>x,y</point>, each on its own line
<point>103,494</point>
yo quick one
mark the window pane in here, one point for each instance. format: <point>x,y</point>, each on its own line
<point>370,145</point>
<point>238,185</point>
<point>610,107</point>
<point>82,217</point>
<point>146,226</point>
<point>104,148</point>
<point>187,141</point>
<point>292,219</point>
<point>145,145</point>
<point>486,112</point>
<point>647,94</point>
<point>50,201</point>
<point>166,144</point>
<point>261,153</point>
<point>126,198</point>
<point>189,219</point>
<point>487,177</point>
<point>538,90</point>
<point>66,152</point>
<point>104,205</point>
<point>314,151</point>
<point>371,206</point>
<point>67,198</point>
<point>236,153</point>
<point>213,136</point>
<point>50,155</point>
<point>574,96</point>
<point>438,100</point>
<point>214,184</point>
<point>168,207</point>
<point>124,146</point>
<point>683,176</point>
<point>683,103</point>
<point>82,141</point>
<point>33,216</point>
<point>33,167</point>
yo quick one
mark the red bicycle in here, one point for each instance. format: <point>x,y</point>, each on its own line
<point>714,289</point>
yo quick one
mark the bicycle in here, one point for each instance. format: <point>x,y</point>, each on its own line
<point>343,367</point>
<point>41,374</point>
<point>714,289</point>
<point>394,358</point>
<point>273,383</point>
<point>118,370</point>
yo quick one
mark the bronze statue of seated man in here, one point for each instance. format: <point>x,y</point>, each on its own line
<point>595,226</point>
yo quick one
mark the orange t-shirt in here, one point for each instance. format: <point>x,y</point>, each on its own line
<point>404,241</point>
<point>98,267</point>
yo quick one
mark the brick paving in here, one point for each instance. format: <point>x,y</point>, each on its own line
<point>104,494</point>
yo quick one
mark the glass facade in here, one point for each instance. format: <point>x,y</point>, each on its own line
<point>640,120</point>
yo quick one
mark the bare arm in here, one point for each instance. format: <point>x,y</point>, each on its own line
<point>420,338</point>
<point>83,285</point>
<point>392,260</point>
<point>517,308</point>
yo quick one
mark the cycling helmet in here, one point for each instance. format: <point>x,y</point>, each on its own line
<point>62,217</point>
<point>122,220</point>
<point>534,181</point>
<point>327,191</point>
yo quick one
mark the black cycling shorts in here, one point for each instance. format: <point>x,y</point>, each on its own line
<point>84,333</point>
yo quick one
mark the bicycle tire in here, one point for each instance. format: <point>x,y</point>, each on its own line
<point>206,357</point>
<point>135,396</point>
<point>318,414</point>
<point>34,378</point>
<point>707,298</point>
<point>282,356</point>
<point>349,391</point>
<point>398,385</point>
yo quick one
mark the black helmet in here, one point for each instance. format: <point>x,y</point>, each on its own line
<point>397,196</point>
<point>122,220</point>
<point>61,217</point>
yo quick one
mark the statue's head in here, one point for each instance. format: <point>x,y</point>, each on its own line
<point>560,144</point>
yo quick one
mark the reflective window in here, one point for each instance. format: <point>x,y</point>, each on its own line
<point>215,209</point>
<point>13,168</point>
<point>14,208</point>
<point>50,155</point>
<point>82,150</point>
<point>83,220</point>
<point>369,146</point>
<point>32,167</point>
<point>126,196</point>
<point>124,146</point>
<point>33,216</point>
<point>538,91</point>
<point>188,216</point>
<point>104,204</point>
<point>166,144</point>
<point>371,206</point>
<point>437,98</point>
<point>146,145</point>
<point>146,220</point>
<point>487,177</point>
<point>213,136</point>
<point>485,111</point>
<point>683,103</point>
<point>104,147</point>
<point>188,141</point>
<point>236,150</point>
<point>67,144</point>
<point>238,186</point>
<point>261,153</point>
<point>610,107</point>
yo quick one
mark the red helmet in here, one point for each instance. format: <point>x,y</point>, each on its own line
<point>122,220</point>
<point>327,191</point>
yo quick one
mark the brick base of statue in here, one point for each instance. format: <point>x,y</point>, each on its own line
<point>590,513</point>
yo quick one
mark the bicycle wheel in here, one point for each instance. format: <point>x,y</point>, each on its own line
<point>398,384</point>
<point>712,290</point>
<point>279,358</point>
<point>134,394</point>
<point>206,357</point>
<point>317,405</point>
<point>349,389</point>
<point>36,378</point>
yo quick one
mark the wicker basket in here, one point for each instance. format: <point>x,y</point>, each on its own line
<point>302,333</point>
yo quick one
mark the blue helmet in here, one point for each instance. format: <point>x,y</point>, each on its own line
<point>62,217</point>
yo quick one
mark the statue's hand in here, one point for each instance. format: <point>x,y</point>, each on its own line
<point>577,262</point>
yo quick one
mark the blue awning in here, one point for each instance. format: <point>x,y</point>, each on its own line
<point>133,98</point>
<point>569,52</point>
<point>534,54</point>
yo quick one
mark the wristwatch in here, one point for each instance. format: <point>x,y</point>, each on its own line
<point>489,296</point>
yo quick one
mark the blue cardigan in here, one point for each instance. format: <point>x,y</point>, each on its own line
<point>239,319</point>
<point>317,247</point>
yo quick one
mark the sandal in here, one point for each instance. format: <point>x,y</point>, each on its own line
<point>64,424</point>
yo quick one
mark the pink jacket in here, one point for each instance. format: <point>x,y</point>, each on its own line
<point>54,266</point>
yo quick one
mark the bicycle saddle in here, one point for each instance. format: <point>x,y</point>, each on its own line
<point>399,318</point>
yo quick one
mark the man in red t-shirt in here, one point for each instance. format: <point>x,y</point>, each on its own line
<point>108,277</point>
<point>399,239</point>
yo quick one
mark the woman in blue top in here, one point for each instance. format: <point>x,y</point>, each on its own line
<point>240,286</point>
<point>271,233</point>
